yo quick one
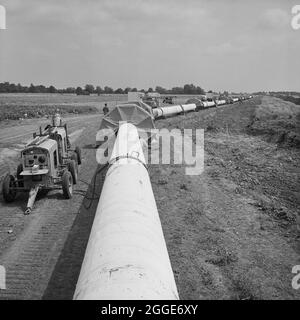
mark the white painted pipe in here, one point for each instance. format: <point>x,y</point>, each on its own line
<point>208,104</point>
<point>221,102</point>
<point>189,107</point>
<point>157,112</point>
<point>172,110</point>
<point>126,256</point>
<point>169,111</point>
<point>197,102</point>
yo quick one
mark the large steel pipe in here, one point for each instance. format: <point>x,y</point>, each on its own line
<point>209,104</point>
<point>189,107</point>
<point>126,255</point>
<point>221,102</point>
<point>172,110</point>
<point>158,112</point>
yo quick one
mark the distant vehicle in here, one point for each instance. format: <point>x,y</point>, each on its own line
<point>47,163</point>
<point>228,100</point>
<point>153,102</point>
<point>152,95</point>
<point>168,100</point>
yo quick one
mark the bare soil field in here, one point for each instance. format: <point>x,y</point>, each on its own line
<point>231,232</point>
<point>277,121</point>
<point>295,98</point>
<point>16,106</point>
<point>31,246</point>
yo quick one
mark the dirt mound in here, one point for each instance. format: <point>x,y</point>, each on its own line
<point>231,232</point>
<point>277,121</point>
<point>295,99</point>
<point>233,118</point>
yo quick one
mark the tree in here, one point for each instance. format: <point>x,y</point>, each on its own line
<point>70,90</point>
<point>126,90</point>
<point>99,90</point>
<point>52,89</point>
<point>189,89</point>
<point>12,88</point>
<point>108,90</point>
<point>89,88</point>
<point>19,88</point>
<point>119,91</point>
<point>199,90</point>
<point>177,90</point>
<point>79,91</point>
<point>32,89</point>
<point>160,90</point>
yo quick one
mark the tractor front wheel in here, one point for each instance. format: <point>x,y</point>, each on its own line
<point>8,188</point>
<point>67,184</point>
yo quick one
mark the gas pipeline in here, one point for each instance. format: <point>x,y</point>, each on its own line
<point>126,255</point>
<point>194,104</point>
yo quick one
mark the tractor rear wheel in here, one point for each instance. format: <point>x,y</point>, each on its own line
<point>72,169</point>
<point>78,152</point>
<point>67,184</point>
<point>9,193</point>
<point>19,177</point>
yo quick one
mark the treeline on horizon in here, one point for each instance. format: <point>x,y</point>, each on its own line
<point>276,92</point>
<point>6,87</point>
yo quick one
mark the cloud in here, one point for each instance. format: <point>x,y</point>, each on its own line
<point>145,42</point>
<point>276,18</point>
<point>92,11</point>
<point>226,48</point>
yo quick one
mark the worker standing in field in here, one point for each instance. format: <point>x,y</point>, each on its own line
<point>105,109</point>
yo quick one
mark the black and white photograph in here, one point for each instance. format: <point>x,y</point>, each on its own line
<point>149,151</point>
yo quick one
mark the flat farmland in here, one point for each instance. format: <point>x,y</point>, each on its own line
<point>19,106</point>
<point>22,114</point>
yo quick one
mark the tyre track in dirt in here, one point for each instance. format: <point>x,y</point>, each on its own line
<point>8,135</point>
<point>31,251</point>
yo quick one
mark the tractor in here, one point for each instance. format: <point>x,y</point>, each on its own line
<point>168,100</point>
<point>47,163</point>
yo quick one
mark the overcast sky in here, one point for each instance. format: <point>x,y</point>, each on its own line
<point>235,45</point>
